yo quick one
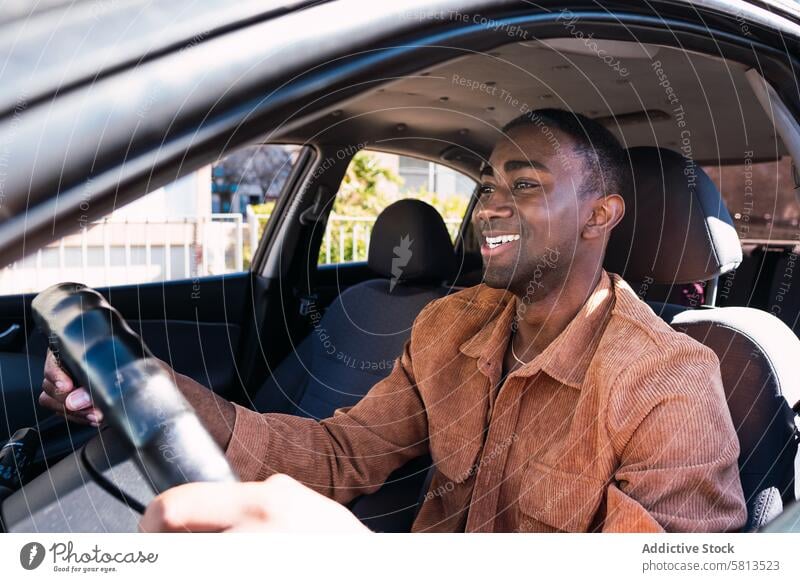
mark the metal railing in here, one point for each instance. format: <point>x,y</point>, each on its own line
<point>133,250</point>
<point>346,238</point>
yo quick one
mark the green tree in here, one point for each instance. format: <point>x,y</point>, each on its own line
<point>366,189</point>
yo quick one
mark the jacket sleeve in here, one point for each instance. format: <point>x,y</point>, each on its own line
<point>672,432</point>
<point>348,454</point>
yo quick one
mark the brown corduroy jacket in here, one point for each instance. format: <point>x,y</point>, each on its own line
<point>619,425</point>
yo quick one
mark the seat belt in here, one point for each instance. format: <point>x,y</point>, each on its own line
<point>308,299</point>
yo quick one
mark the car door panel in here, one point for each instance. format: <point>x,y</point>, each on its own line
<point>194,325</point>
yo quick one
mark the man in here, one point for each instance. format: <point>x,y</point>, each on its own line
<point>550,397</point>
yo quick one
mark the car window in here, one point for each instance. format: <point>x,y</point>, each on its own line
<point>760,197</point>
<point>376,179</point>
<point>205,223</point>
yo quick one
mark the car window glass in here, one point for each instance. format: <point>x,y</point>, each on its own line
<point>205,223</point>
<point>760,197</point>
<point>376,179</point>
<point>762,200</point>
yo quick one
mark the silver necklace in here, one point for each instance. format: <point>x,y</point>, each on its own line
<point>513,335</point>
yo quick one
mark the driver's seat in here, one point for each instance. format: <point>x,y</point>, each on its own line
<point>758,353</point>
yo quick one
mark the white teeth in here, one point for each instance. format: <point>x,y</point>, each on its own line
<point>496,241</point>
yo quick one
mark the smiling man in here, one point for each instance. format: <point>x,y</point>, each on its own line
<point>550,397</point>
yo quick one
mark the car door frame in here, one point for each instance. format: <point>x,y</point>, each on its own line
<point>191,122</point>
<point>118,159</point>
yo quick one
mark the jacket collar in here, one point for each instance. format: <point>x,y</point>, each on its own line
<point>567,357</point>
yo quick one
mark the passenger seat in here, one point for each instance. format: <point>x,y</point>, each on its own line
<point>677,230</point>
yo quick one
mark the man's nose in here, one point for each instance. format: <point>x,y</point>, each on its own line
<point>495,205</point>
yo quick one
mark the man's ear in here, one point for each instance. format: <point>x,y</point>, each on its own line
<point>606,212</point>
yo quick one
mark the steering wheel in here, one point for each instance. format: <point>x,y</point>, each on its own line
<point>137,396</point>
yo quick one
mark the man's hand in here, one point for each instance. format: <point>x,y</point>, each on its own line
<point>280,504</point>
<point>60,394</point>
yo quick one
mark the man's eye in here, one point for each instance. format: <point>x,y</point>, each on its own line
<point>486,189</point>
<point>525,185</point>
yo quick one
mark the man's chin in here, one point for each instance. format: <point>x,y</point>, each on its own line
<point>496,280</point>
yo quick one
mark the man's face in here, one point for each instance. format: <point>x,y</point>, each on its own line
<point>529,213</point>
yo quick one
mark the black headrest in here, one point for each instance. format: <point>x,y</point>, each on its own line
<point>676,227</point>
<point>410,242</point>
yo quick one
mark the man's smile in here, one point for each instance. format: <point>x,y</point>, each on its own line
<point>494,245</point>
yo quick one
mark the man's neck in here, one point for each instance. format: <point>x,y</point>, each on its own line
<point>539,323</point>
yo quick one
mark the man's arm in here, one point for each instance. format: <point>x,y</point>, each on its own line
<point>60,394</point>
<point>671,429</point>
<point>350,453</point>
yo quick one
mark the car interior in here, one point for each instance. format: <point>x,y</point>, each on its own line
<point>300,344</point>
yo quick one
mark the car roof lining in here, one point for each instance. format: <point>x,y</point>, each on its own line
<point>425,114</point>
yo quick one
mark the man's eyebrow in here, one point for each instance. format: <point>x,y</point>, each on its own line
<point>513,165</point>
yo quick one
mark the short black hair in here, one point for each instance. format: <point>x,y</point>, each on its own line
<point>605,162</point>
